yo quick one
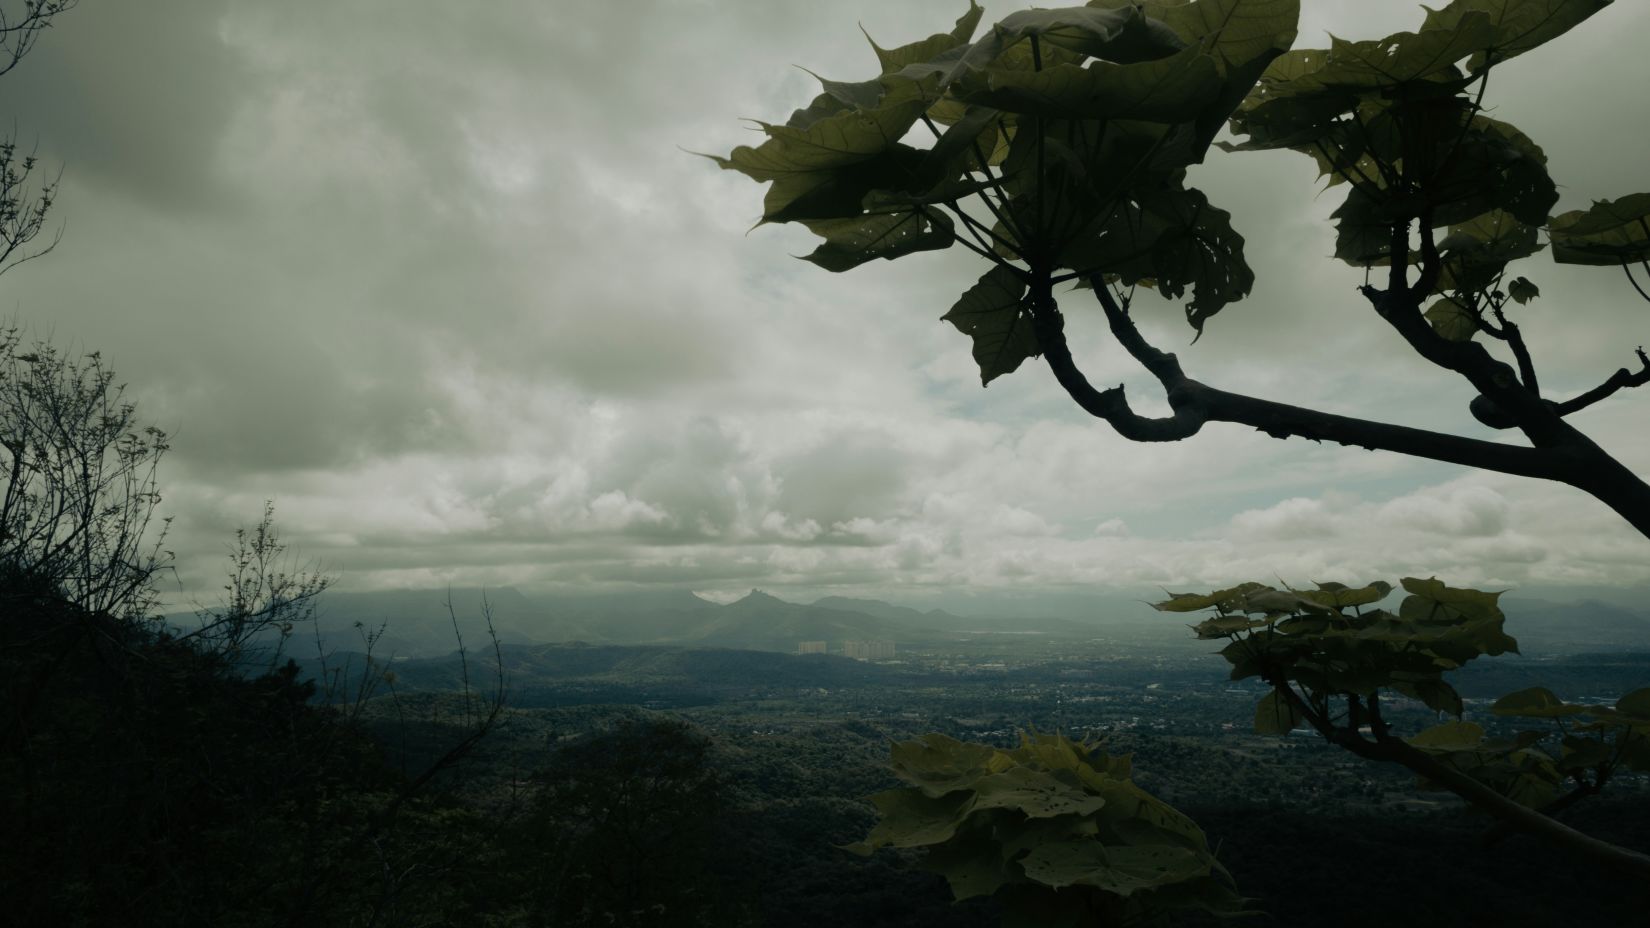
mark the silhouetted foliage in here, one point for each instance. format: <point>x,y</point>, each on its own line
<point>626,825</point>
<point>80,480</point>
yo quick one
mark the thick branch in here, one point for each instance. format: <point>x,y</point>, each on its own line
<point>1390,749</point>
<point>1195,403</point>
<point>1400,306</point>
<point>1522,818</point>
<point>1503,829</point>
<point>1432,265</point>
<point>1571,458</point>
<point>1514,337</point>
<point>1110,405</point>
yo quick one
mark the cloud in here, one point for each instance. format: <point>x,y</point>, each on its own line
<point>1295,518</point>
<point>442,282</point>
<point>1475,511</point>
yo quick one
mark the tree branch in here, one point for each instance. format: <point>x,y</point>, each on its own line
<point>1522,818</point>
<point>1502,829</point>
<point>1620,379</point>
<point>1110,405</point>
<point>1514,337</point>
<point>1391,749</point>
<point>1400,306</point>
<point>1195,404</point>
<point>1432,266</point>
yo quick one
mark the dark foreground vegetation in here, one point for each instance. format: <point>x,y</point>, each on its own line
<point>147,780</point>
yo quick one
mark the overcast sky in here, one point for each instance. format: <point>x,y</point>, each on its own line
<point>439,280</point>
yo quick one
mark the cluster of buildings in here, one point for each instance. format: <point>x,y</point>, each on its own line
<point>858,650</point>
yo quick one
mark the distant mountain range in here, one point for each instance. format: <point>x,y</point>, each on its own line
<point>1545,627</point>
<point>417,623</point>
<point>570,674</point>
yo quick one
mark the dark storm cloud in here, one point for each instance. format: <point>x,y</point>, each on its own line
<point>135,97</point>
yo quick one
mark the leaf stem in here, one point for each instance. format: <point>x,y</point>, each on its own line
<point>979,228</point>
<point>984,253</point>
<point>1628,270</point>
<point>1042,177</point>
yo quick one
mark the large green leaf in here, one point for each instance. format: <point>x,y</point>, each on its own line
<point>1243,37</point>
<point>972,862</point>
<point>1492,166</point>
<point>1122,35</point>
<point>1635,704</point>
<point>1511,768</point>
<point>1537,702</point>
<point>1450,736</point>
<point>1271,601</point>
<point>895,59</point>
<point>1584,753</point>
<point>911,819</point>
<point>1402,57</point>
<point>1226,626</point>
<point>1171,239</point>
<point>1389,114</point>
<point>1175,88</point>
<point>1051,814</point>
<point>1609,232</point>
<point>1121,871</point>
<point>855,240</point>
<point>1341,596</point>
<point>1230,600</point>
<point>1034,793</point>
<point>1520,289</point>
<point>1319,84</point>
<point>1438,695</point>
<point>1080,180</point>
<point>1433,601</point>
<point>975,127</point>
<point>1452,320</point>
<point>823,169</point>
<point>937,764</point>
<point>1516,25</point>
<point>1288,107</point>
<point>1363,228</point>
<point>1475,252</point>
<point>1275,714</point>
<point>1489,168</point>
<point>992,314</point>
<point>1236,32</point>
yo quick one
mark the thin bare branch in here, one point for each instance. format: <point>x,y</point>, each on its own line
<point>1621,379</point>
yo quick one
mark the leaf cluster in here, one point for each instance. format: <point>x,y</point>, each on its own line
<point>1586,747</point>
<point>1069,129</point>
<point>1055,828</point>
<point>1400,122</point>
<point>1321,649</point>
<point>1058,143</point>
<point>1325,643</point>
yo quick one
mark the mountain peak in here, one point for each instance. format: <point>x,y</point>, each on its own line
<point>757,598</point>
